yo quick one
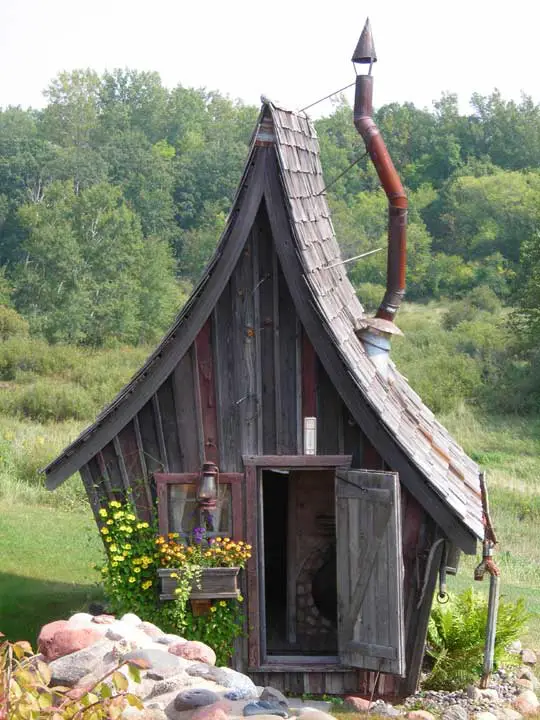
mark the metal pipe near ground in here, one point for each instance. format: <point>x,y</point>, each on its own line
<point>491,629</point>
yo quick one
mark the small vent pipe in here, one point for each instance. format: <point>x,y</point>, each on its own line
<point>397,199</point>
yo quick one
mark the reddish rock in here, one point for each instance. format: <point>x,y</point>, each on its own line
<point>525,683</point>
<point>356,704</point>
<point>420,715</point>
<point>47,634</point>
<point>526,703</point>
<point>194,650</point>
<point>217,711</point>
<point>55,643</point>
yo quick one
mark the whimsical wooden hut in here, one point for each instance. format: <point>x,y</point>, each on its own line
<point>352,494</point>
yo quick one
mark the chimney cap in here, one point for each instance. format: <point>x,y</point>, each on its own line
<point>365,49</point>
<point>376,325</point>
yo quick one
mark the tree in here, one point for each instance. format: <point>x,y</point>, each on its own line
<point>89,272</point>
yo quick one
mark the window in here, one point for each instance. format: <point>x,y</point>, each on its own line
<point>178,510</point>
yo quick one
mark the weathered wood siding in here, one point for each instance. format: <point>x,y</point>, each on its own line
<point>243,387</point>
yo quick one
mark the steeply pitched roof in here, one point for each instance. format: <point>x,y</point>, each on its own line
<point>451,472</point>
<point>429,446</point>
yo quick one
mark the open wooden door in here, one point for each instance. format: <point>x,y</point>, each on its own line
<point>370,571</point>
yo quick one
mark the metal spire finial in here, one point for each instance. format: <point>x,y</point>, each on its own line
<point>365,50</point>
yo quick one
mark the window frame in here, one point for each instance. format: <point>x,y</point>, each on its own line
<point>163,480</point>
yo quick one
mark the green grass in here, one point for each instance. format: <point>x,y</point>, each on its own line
<point>47,566</point>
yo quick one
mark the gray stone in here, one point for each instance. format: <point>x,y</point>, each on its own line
<point>194,698</point>
<point>132,713</point>
<point>69,669</point>
<point>169,639</point>
<point>274,695</point>
<point>525,673</point>
<point>160,663</point>
<point>455,712</point>
<point>508,713</point>
<point>489,694</point>
<point>152,688</point>
<point>528,657</point>
<point>515,647</point>
<point>264,707</point>
<point>242,686</point>
<point>131,619</point>
<point>385,709</point>
<point>473,693</point>
<point>484,716</point>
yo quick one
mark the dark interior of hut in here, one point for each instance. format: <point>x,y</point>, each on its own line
<point>300,596</point>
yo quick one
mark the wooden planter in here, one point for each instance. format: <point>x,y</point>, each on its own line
<point>216,583</point>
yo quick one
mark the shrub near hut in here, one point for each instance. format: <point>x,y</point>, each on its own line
<point>134,552</point>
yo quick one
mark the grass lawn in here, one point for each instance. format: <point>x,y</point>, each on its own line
<point>46,571</point>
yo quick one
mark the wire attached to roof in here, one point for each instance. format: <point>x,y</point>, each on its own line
<point>326,97</point>
<point>341,174</point>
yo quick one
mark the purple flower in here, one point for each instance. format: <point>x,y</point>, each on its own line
<point>198,535</point>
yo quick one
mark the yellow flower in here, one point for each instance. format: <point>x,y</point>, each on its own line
<point>115,504</point>
<point>104,531</point>
<point>136,569</point>
<point>127,546</point>
<point>240,598</point>
<point>223,603</point>
<point>118,515</point>
<point>131,579</point>
<point>114,564</point>
<point>108,539</point>
<point>213,608</point>
<point>103,512</point>
<point>146,585</point>
<point>113,548</point>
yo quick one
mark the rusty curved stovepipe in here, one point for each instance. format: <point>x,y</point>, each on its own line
<point>397,199</point>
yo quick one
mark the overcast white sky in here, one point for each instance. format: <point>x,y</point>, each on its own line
<point>294,51</point>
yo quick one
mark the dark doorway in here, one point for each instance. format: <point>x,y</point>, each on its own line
<point>299,562</point>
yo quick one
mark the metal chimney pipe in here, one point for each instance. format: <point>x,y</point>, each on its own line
<point>397,199</point>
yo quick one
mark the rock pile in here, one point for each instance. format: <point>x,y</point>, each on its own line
<point>180,680</point>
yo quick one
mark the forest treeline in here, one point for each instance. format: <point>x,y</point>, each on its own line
<point>113,196</point>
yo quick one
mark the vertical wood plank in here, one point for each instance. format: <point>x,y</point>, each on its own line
<point>109,465</point>
<point>309,378</point>
<point>287,360</point>
<point>244,351</point>
<point>252,569</point>
<point>142,461</point>
<point>122,467</point>
<point>205,366</point>
<point>328,413</point>
<point>91,492</point>
<point>163,502</point>
<point>276,350</point>
<point>102,474</point>
<point>266,338</point>
<point>230,456</point>
<point>149,440</point>
<point>299,417</point>
<point>165,396</point>
<point>160,435</point>
<point>183,384</point>
<point>256,283</point>
<point>131,455</point>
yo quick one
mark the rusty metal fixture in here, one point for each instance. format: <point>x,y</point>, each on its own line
<point>207,488</point>
<point>397,199</point>
<point>365,49</point>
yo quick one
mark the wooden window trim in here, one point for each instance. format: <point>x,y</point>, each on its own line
<point>163,480</point>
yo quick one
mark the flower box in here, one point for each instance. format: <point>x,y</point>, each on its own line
<point>215,583</point>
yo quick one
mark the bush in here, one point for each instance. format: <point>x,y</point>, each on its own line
<point>11,323</point>
<point>456,638</point>
<point>48,401</point>
<point>26,691</point>
<point>370,295</point>
<point>480,300</point>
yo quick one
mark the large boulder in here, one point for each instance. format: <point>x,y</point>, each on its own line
<point>526,703</point>
<point>159,663</point>
<point>121,630</point>
<point>194,650</point>
<point>195,698</point>
<point>58,639</point>
<point>239,686</point>
<point>69,670</point>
